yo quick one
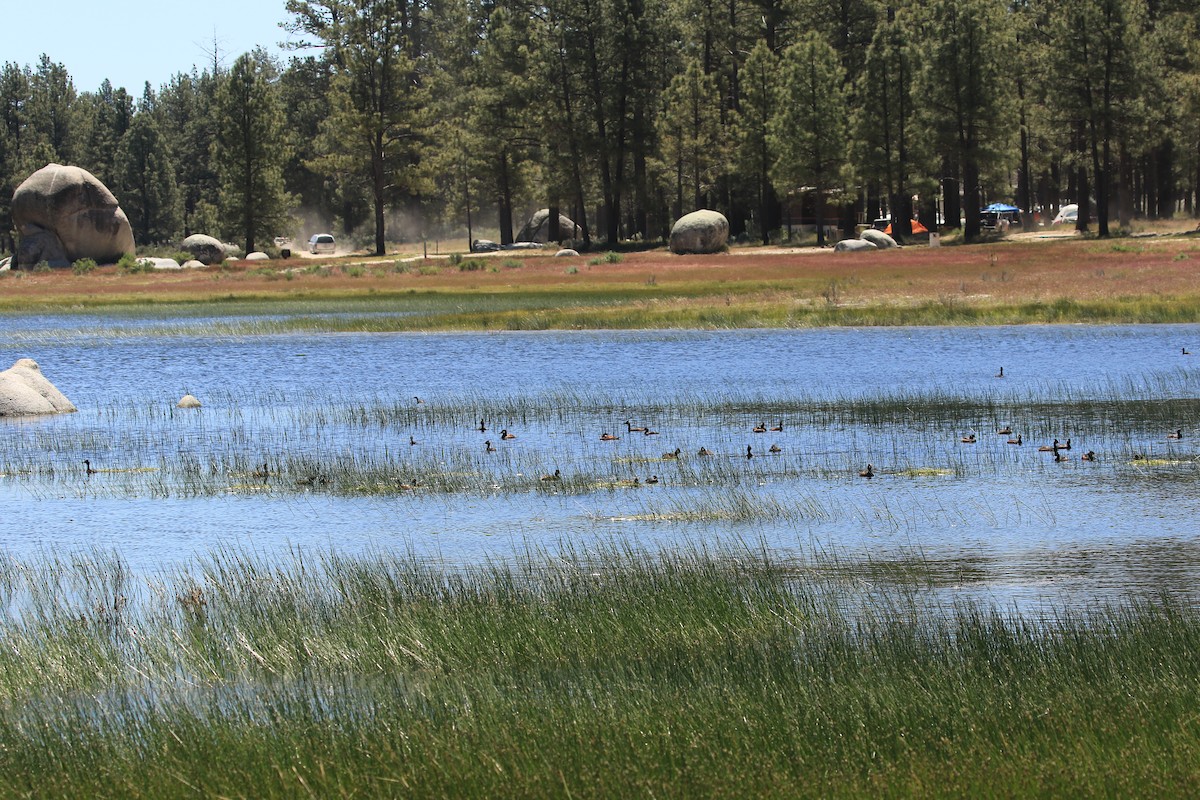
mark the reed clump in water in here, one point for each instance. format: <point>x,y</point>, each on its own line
<point>692,671</point>
<point>317,443</point>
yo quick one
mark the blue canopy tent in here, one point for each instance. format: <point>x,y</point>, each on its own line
<point>1000,215</point>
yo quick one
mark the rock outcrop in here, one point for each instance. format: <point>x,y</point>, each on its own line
<point>25,391</point>
<point>64,214</point>
<point>537,229</point>
<point>700,232</point>
<point>204,249</point>
<point>188,401</point>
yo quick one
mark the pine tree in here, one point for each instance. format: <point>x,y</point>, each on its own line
<point>882,120</point>
<point>250,151</point>
<point>689,133</point>
<point>965,93</point>
<point>753,154</point>
<point>146,180</point>
<point>103,118</point>
<point>1100,60</point>
<point>187,106</point>
<point>808,128</point>
<point>378,104</point>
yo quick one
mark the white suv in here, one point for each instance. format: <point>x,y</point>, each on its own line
<point>321,243</point>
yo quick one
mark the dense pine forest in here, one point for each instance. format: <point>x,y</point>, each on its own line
<point>397,119</point>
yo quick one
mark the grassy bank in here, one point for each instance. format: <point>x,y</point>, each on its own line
<point>617,673</point>
<point>1133,281</point>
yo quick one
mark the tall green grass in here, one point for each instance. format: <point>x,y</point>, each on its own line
<point>584,674</point>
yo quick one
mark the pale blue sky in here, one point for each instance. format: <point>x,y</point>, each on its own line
<point>134,41</point>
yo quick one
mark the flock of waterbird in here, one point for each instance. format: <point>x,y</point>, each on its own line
<point>630,430</point>
<point>1056,447</point>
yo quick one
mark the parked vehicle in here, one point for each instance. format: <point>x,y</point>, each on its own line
<point>1067,215</point>
<point>321,243</point>
<point>1000,217</point>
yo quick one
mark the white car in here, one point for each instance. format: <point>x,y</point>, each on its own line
<point>321,243</point>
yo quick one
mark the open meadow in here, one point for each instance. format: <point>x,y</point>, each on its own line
<point>766,524</point>
<point>1151,279</point>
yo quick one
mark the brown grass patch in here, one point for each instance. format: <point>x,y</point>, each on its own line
<point>999,274</point>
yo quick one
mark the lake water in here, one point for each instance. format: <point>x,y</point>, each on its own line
<point>986,518</point>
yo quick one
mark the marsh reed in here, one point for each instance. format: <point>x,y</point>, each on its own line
<point>607,672</point>
<point>281,443</point>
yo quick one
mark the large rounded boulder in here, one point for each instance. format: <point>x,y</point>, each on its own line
<point>700,232</point>
<point>25,391</point>
<point>64,214</point>
<point>537,229</point>
<point>878,238</point>
<point>205,249</point>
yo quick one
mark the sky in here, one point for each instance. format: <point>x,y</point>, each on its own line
<point>134,41</point>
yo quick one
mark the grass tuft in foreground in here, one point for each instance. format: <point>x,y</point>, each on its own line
<point>613,673</point>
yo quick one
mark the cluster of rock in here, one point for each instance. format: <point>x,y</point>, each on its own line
<point>701,231</point>
<point>870,239</point>
<point>25,391</point>
<point>205,251</point>
<point>488,246</point>
<point>65,213</point>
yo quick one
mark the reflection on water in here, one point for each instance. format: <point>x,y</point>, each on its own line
<point>985,519</point>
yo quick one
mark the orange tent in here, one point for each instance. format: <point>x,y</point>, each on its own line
<point>916,228</point>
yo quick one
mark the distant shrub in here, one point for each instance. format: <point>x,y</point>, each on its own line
<point>129,264</point>
<point>456,259</point>
<point>41,266</point>
<point>512,263</point>
<point>83,266</point>
<point>608,258</point>
<point>471,265</point>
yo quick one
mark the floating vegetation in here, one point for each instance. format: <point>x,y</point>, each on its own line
<point>924,472</point>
